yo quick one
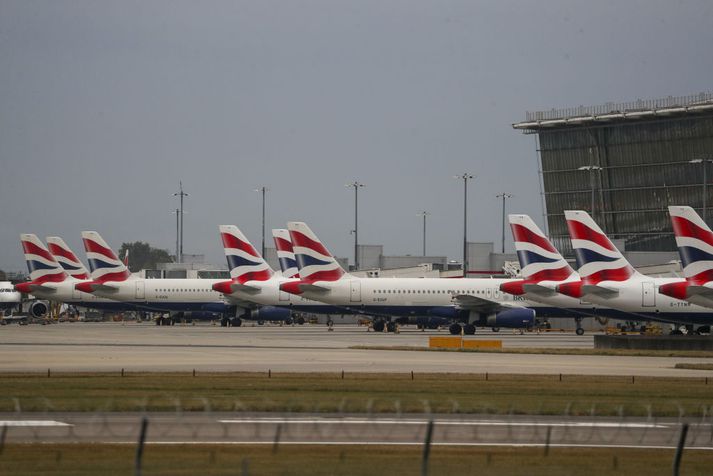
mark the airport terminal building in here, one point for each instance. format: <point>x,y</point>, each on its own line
<point>625,163</point>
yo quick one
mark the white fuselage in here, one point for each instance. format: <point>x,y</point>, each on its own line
<point>164,294</point>
<point>9,298</point>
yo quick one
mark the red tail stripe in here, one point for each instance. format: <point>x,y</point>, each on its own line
<point>50,278</point>
<point>675,290</point>
<point>331,275</point>
<point>619,274</point>
<point>121,276</point>
<point>702,277</point>
<point>686,228</point>
<point>526,235</point>
<point>92,246</point>
<point>299,239</point>
<point>30,248</point>
<point>263,275</point>
<point>59,251</point>
<point>282,244</point>
<point>232,241</point>
<point>580,231</point>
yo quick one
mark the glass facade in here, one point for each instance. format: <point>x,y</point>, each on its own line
<point>625,173</point>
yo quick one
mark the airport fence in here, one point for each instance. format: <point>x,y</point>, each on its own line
<point>266,436</point>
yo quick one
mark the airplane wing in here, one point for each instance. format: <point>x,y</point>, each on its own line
<point>480,304</point>
<point>244,288</point>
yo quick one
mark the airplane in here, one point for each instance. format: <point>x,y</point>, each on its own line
<point>256,287</point>
<point>49,281</point>
<point>66,258</point>
<point>543,269</point>
<point>111,279</point>
<point>285,253</point>
<point>9,297</point>
<point>469,301</point>
<point>608,279</point>
<point>694,240</point>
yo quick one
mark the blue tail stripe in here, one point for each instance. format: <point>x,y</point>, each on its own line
<point>69,267</point>
<point>307,260</point>
<point>585,256</point>
<point>95,264</point>
<point>528,257</point>
<point>690,255</point>
<point>235,261</point>
<point>287,263</point>
<point>34,265</point>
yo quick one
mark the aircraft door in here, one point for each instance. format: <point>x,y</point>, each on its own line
<point>355,295</point>
<point>140,289</point>
<point>648,294</point>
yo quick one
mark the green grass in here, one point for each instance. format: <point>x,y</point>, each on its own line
<point>105,459</point>
<point>552,351</point>
<point>359,393</point>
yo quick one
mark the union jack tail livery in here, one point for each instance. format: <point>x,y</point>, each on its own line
<point>41,264</point>
<point>597,258</point>
<point>539,260</point>
<point>315,262</point>
<point>694,240</point>
<point>103,262</point>
<point>244,261</point>
<point>66,258</point>
<point>285,253</point>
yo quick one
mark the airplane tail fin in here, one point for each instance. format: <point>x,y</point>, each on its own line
<point>244,261</point>
<point>285,253</point>
<point>597,257</point>
<point>694,240</point>
<point>539,260</point>
<point>43,267</point>
<point>66,258</point>
<point>315,262</point>
<point>103,262</point>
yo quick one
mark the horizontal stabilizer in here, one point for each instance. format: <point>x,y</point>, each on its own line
<point>44,288</point>
<point>313,288</point>
<point>538,290</point>
<point>105,288</point>
<point>601,291</point>
<point>699,291</point>
<point>244,288</point>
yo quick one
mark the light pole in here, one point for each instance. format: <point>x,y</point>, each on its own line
<point>504,196</point>
<point>703,161</point>
<point>180,194</point>
<point>263,189</point>
<point>592,169</point>
<point>465,177</point>
<point>424,214</point>
<point>177,225</point>
<point>356,185</point>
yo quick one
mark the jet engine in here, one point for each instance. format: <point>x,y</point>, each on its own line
<point>514,318</point>
<point>38,309</point>
<point>268,313</point>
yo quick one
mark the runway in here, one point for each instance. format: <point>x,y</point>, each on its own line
<point>90,347</point>
<point>238,428</point>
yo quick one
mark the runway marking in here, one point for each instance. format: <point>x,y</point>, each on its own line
<point>26,423</point>
<point>359,421</point>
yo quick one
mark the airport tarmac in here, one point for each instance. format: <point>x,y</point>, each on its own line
<point>145,347</point>
<point>261,428</point>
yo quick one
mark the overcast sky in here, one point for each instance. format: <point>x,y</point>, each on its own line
<point>105,106</point>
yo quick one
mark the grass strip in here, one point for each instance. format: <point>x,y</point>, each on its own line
<point>107,459</point>
<point>550,351</point>
<point>358,393</point>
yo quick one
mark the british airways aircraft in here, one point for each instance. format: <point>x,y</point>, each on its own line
<point>111,279</point>
<point>466,302</point>
<point>608,279</point>
<point>66,258</point>
<point>253,282</point>
<point>543,269</point>
<point>9,297</point>
<point>48,280</point>
<point>694,240</point>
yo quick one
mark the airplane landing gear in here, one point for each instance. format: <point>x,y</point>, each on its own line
<point>455,329</point>
<point>469,329</point>
<point>580,330</point>
<point>378,326</point>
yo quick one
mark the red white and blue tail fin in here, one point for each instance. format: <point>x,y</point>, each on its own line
<point>66,258</point>
<point>539,260</point>
<point>285,253</point>
<point>541,265</point>
<point>694,240</point>
<point>104,264</point>
<point>315,262</point>
<point>43,267</point>
<point>244,261</point>
<point>597,258</point>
